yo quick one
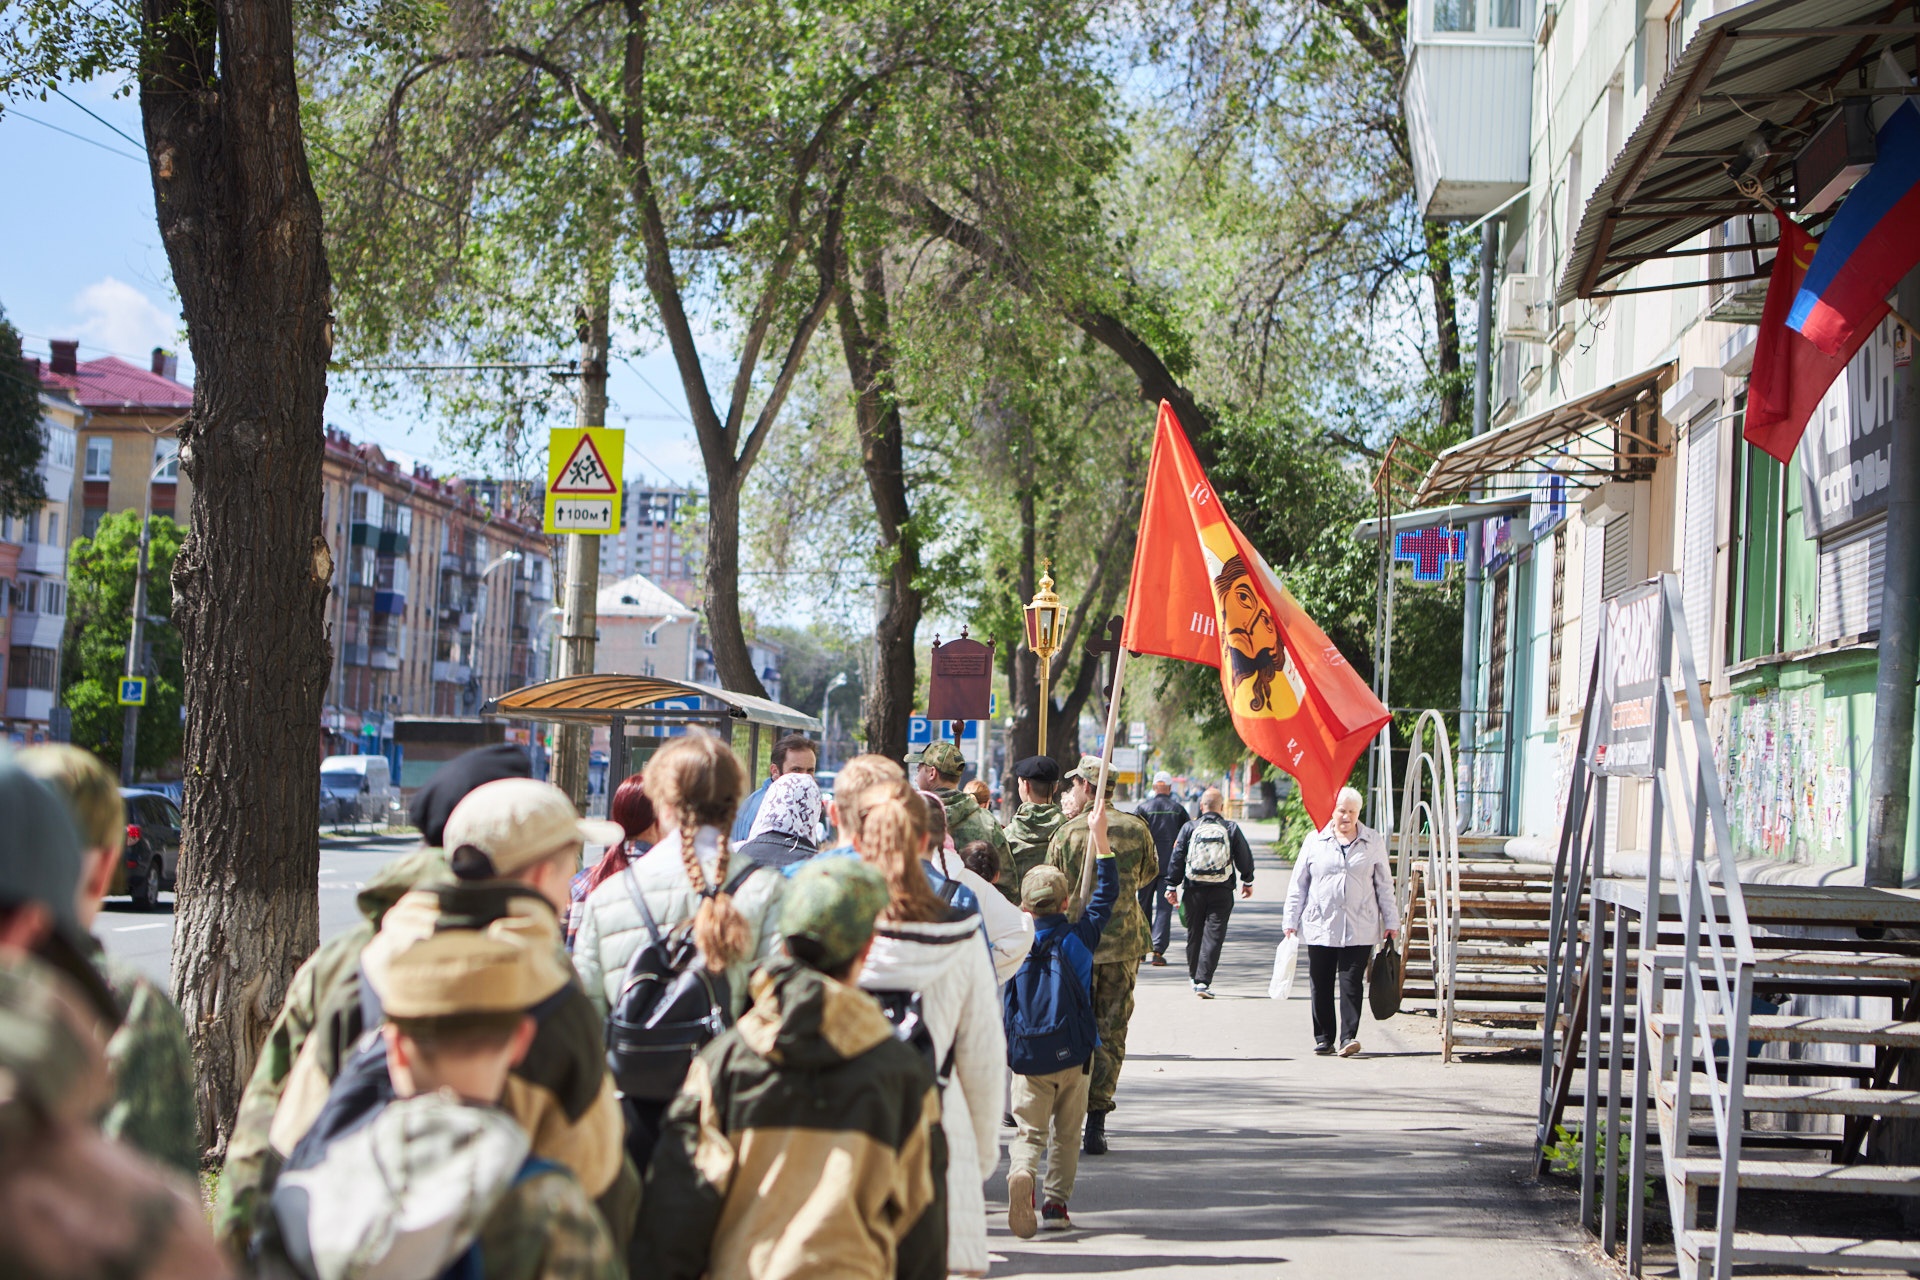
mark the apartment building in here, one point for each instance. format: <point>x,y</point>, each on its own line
<point>1593,141</point>
<point>33,581</point>
<point>661,537</point>
<point>129,444</point>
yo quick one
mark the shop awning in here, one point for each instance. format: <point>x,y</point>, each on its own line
<point>1428,517</point>
<point>642,700</point>
<point>1622,418</point>
<point>1773,68</point>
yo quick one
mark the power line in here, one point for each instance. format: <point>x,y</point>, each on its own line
<point>81,137</point>
<point>102,119</point>
<point>678,411</point>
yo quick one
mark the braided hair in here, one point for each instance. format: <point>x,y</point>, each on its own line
<point>893,831</point>
<point>698,781</point>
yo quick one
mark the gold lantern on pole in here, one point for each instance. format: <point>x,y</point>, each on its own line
<point>1043,637</point>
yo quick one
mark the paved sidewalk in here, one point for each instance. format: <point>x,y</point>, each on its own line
<point>1238,1153</point>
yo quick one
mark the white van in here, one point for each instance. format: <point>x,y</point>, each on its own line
<point>357,789</point>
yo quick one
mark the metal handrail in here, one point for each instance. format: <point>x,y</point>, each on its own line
<point>1431,823</point>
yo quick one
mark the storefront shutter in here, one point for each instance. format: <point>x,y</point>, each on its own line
<point>1591,564</point>
<point>1616,571</point>
<point>1851,569</point>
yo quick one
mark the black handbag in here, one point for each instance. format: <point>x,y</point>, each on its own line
<point>669,1007</point>
<point>1383,982</point>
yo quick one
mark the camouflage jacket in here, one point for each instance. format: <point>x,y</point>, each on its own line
<point>1127,936</point>
<point>1028,835</point>
<point>967,822</point>
<point>153,1105</point>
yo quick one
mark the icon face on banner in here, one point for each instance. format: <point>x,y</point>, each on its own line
<point>583,479</point>
<point>133,691</point>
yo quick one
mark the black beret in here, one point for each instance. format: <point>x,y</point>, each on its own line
<point>433,804</point>
<point>1038,769</point>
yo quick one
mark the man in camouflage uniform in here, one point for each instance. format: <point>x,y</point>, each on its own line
<point>153,1104</point>
<point>440,1179</point>
<point>938,769</point>
<point>1124,942</point>
<point>1034,823</point>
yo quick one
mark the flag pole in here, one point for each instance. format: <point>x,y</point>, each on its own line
<point>1083,894</point>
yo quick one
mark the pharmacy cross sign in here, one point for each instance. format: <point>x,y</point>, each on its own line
<point>1429,551</point>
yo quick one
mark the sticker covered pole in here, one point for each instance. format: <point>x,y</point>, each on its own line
<point>580,617</point>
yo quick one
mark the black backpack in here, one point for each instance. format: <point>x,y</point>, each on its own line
<point>908,1016</point>
<point>669,1007</point>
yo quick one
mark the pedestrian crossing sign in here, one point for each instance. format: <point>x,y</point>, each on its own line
<point>583,479</point>
<point>133,691</point>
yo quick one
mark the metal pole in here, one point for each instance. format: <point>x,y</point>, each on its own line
<point>1888,795</point>
<point>1046,700</point>
<point>130,729</point>
<point>580,621</point>
<point>1470,603</point>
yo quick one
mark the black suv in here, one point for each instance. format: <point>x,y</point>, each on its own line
<point>153,846</point>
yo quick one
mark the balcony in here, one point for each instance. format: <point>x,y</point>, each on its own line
<point>385,542</point>
<point>456,562</point>
<point>43,557</point>
<point>1468,98</point>
<point>452,673</point>
<point>377,656</point>
<point>389,602</point>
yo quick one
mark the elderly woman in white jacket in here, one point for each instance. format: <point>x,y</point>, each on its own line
<point>920,944</point>
<point>1341,902</point>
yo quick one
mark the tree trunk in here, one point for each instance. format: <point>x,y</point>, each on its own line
<point>1026,670</point>
<point>725,632</point>
<point>241,224</point>
<point>1446,322</point>
<point>865,339</point>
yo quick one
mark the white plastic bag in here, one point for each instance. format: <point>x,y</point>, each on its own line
<point>1286,959</point>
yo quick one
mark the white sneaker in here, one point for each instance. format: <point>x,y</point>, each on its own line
<point>1203,991</point>
<point>1350,1049</point>
<point>1020,1214</point>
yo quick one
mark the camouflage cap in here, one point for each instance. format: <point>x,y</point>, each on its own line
<point>943,758</point>
<point>428,963</point>
<point>1044,891</point>
<point>53,1062</point>
<point>830,905</point>
<point>1089,770</point>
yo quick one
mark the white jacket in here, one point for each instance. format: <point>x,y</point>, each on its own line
<point>1009,929</point>
<point>947,966</point>
<point>611,929</point>
<point>1342,898</point>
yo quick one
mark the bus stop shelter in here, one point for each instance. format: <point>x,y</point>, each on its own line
<point>653,706</point>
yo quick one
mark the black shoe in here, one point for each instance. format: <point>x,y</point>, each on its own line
<point>1053,1217</point>
<point>1094,1142</point>
<point>1324,1048</point>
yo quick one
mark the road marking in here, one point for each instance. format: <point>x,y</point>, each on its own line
<point>135,928</point>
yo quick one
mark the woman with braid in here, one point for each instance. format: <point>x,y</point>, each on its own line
<point>695,783</point>
<point>923,945</point>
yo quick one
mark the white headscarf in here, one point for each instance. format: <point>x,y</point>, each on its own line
<point>790,807</point>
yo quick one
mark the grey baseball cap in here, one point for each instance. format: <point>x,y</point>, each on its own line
<point>40,863</point>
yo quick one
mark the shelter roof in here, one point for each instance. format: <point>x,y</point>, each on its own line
<point>598,698</point>
<point>1774,67</point>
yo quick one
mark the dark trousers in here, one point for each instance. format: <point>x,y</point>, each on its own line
<point>1208,906</point>
<point>1348,967</point>
<point>1159,913</point>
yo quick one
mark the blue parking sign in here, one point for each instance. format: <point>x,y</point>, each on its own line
<point>133,691</point>
<point>920,731</point>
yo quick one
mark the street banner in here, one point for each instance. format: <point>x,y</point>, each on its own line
<point>1620,743</point>
<point>1201,593</point>
<point>583,479</point>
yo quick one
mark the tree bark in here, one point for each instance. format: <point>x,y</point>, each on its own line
<point>1446,323</point>
<point>1026,669</point>
<point>242,229</point>
<point>865,339</point>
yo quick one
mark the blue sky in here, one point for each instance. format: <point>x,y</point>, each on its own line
<point>83,260</point>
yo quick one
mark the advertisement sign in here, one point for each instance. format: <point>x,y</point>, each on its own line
<point>1620,743</point>
<point>583,479</point>
<point>1846,454</point>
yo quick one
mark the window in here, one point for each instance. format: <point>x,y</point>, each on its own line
<point>1497,646</point>
<point>1852,571</point>
<point>1616,555</point>
<point>30,529</point>
<point>99,458</point>
<point>166,458</point>
<point>1696,552</point>
<point>90,519</point>
<point>365,505</point>
<point>1509,15</point>
<point>53,528</point>
<point>53,599</point>
<point>1759,506</point>
<point>1559,614</point>
<point>32,668</point>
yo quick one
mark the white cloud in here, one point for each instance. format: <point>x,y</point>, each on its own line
<point>116,317</point>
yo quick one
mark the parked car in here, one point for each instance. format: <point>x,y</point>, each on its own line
<point>152,857</point>
<point>362,789</point>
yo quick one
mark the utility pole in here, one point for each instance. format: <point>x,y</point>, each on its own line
<point>131,728</point>
<point>1889,797</point>
<point>580,619</point>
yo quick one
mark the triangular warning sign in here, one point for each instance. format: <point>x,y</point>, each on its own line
<point>585,472</point>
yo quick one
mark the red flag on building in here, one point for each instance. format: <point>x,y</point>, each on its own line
<point>1790,374</point>
<point>1201,593</point>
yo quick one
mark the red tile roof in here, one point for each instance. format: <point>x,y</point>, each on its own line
<point>112,383</point>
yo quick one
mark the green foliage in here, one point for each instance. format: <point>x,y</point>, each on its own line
<point>100,583</point>
<point>1566,1152</point>
<point>22,491</point>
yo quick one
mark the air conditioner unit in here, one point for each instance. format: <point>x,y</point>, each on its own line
<point>1523,313</point>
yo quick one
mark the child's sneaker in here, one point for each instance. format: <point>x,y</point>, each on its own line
<point>1053,1215</point>
<point>1020,1204</point>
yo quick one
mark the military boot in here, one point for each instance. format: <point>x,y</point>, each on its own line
<point>1095,1141</point>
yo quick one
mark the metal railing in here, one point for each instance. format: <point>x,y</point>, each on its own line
<point>1430,825</point>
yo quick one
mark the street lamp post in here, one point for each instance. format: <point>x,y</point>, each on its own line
<point>826,697</point>
<point>479,624</point>
<point>130,729</point>
<point>1043,637</point>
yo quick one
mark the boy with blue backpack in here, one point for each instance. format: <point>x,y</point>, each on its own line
<point>1048,1008</point>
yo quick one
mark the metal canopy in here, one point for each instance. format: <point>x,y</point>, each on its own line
<point>1428,517</point>
<point>1785,64</point>
<point>1622,418</point>
<point>601,699</point>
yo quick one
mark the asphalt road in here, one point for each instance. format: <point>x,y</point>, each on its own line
<point>146,938</point>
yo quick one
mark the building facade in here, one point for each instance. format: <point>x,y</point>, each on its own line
<point>1615,436</point>
<point>644,631</point>
<point>661,537</point>
<point>33,580</point>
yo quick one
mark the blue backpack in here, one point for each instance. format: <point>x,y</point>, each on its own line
<point>1048,1014</point>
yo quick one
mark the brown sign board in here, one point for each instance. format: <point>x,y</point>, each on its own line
<point>960,681</point>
